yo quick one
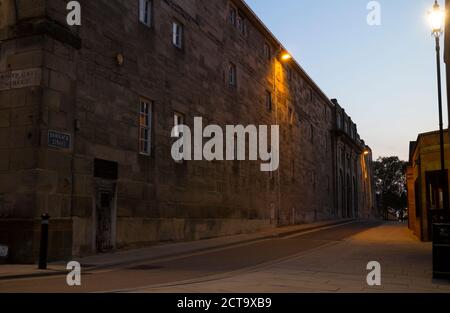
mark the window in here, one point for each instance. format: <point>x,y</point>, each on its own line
<point>232,79</point>
<point>290,116</point>
<point>145,124</point>
<point>338,120</point>
<point>267,51</point>
<point>242,24</point>
<point>145,12</point>
<point>178,120</point>
<point>177,35</point>
<point>269,100</point>
<point>289,73</point>
<point>232,16</point>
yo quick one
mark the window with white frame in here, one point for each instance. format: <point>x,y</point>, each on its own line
<point>145,12</point>
<point>232,79</point>
<point>178,121</point>
<point>145,126</point>
<point>177,35</point>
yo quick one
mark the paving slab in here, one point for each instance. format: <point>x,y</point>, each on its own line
<point>406,266</point>
<point>160,251</point>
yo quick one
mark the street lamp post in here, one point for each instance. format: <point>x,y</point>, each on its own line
<point>437,19</point>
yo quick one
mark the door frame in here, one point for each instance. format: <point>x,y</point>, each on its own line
<point>110,186</point>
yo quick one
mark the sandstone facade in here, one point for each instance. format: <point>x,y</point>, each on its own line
<point>71,124</point>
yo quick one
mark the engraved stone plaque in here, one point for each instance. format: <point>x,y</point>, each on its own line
<point>26,78</point>
<point>5,81</point>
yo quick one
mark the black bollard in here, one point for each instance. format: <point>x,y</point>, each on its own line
<point>43,249</point>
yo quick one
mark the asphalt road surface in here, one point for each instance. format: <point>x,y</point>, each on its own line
<point>203,266</point>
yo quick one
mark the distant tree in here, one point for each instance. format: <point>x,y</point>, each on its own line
<point>390,182</point>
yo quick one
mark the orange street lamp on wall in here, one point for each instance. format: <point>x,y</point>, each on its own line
<point>285,56</point>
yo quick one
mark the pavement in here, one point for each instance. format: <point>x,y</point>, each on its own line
<point>156,252</point>
<point>309,258</point>
<point>338,267</point>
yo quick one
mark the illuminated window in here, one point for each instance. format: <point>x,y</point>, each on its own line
<point>145,12</point>
<point>145,125</point>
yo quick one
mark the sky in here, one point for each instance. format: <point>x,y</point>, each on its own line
<point>384,76</point>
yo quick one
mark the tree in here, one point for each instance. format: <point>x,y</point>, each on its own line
<point>390,182</point>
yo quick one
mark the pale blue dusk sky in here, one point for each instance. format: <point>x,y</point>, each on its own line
<point>384,76</point>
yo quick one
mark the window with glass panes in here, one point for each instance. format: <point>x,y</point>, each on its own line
<point>145,124</point>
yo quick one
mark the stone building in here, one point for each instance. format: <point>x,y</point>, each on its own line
<point>355,195</point>
<point>86,114</point>
<point>428,194</point>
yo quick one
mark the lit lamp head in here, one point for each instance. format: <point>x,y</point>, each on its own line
<point>285,56</point>
<point>437,19</point>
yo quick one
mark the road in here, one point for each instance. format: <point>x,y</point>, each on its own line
<point>194,268</point>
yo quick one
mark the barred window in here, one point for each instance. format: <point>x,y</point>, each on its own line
<point>145,125</point>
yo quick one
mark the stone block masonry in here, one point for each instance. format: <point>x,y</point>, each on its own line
<point>116,186</point>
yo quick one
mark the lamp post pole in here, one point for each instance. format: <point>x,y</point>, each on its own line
<point>441,123</point>
<point>437,23</point>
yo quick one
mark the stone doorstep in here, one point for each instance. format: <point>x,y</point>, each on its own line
<point>12,272</point>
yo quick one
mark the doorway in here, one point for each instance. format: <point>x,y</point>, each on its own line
<point>436,198</point>
<point>105,216</point>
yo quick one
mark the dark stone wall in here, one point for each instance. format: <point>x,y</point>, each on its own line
<point>156,198</point>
